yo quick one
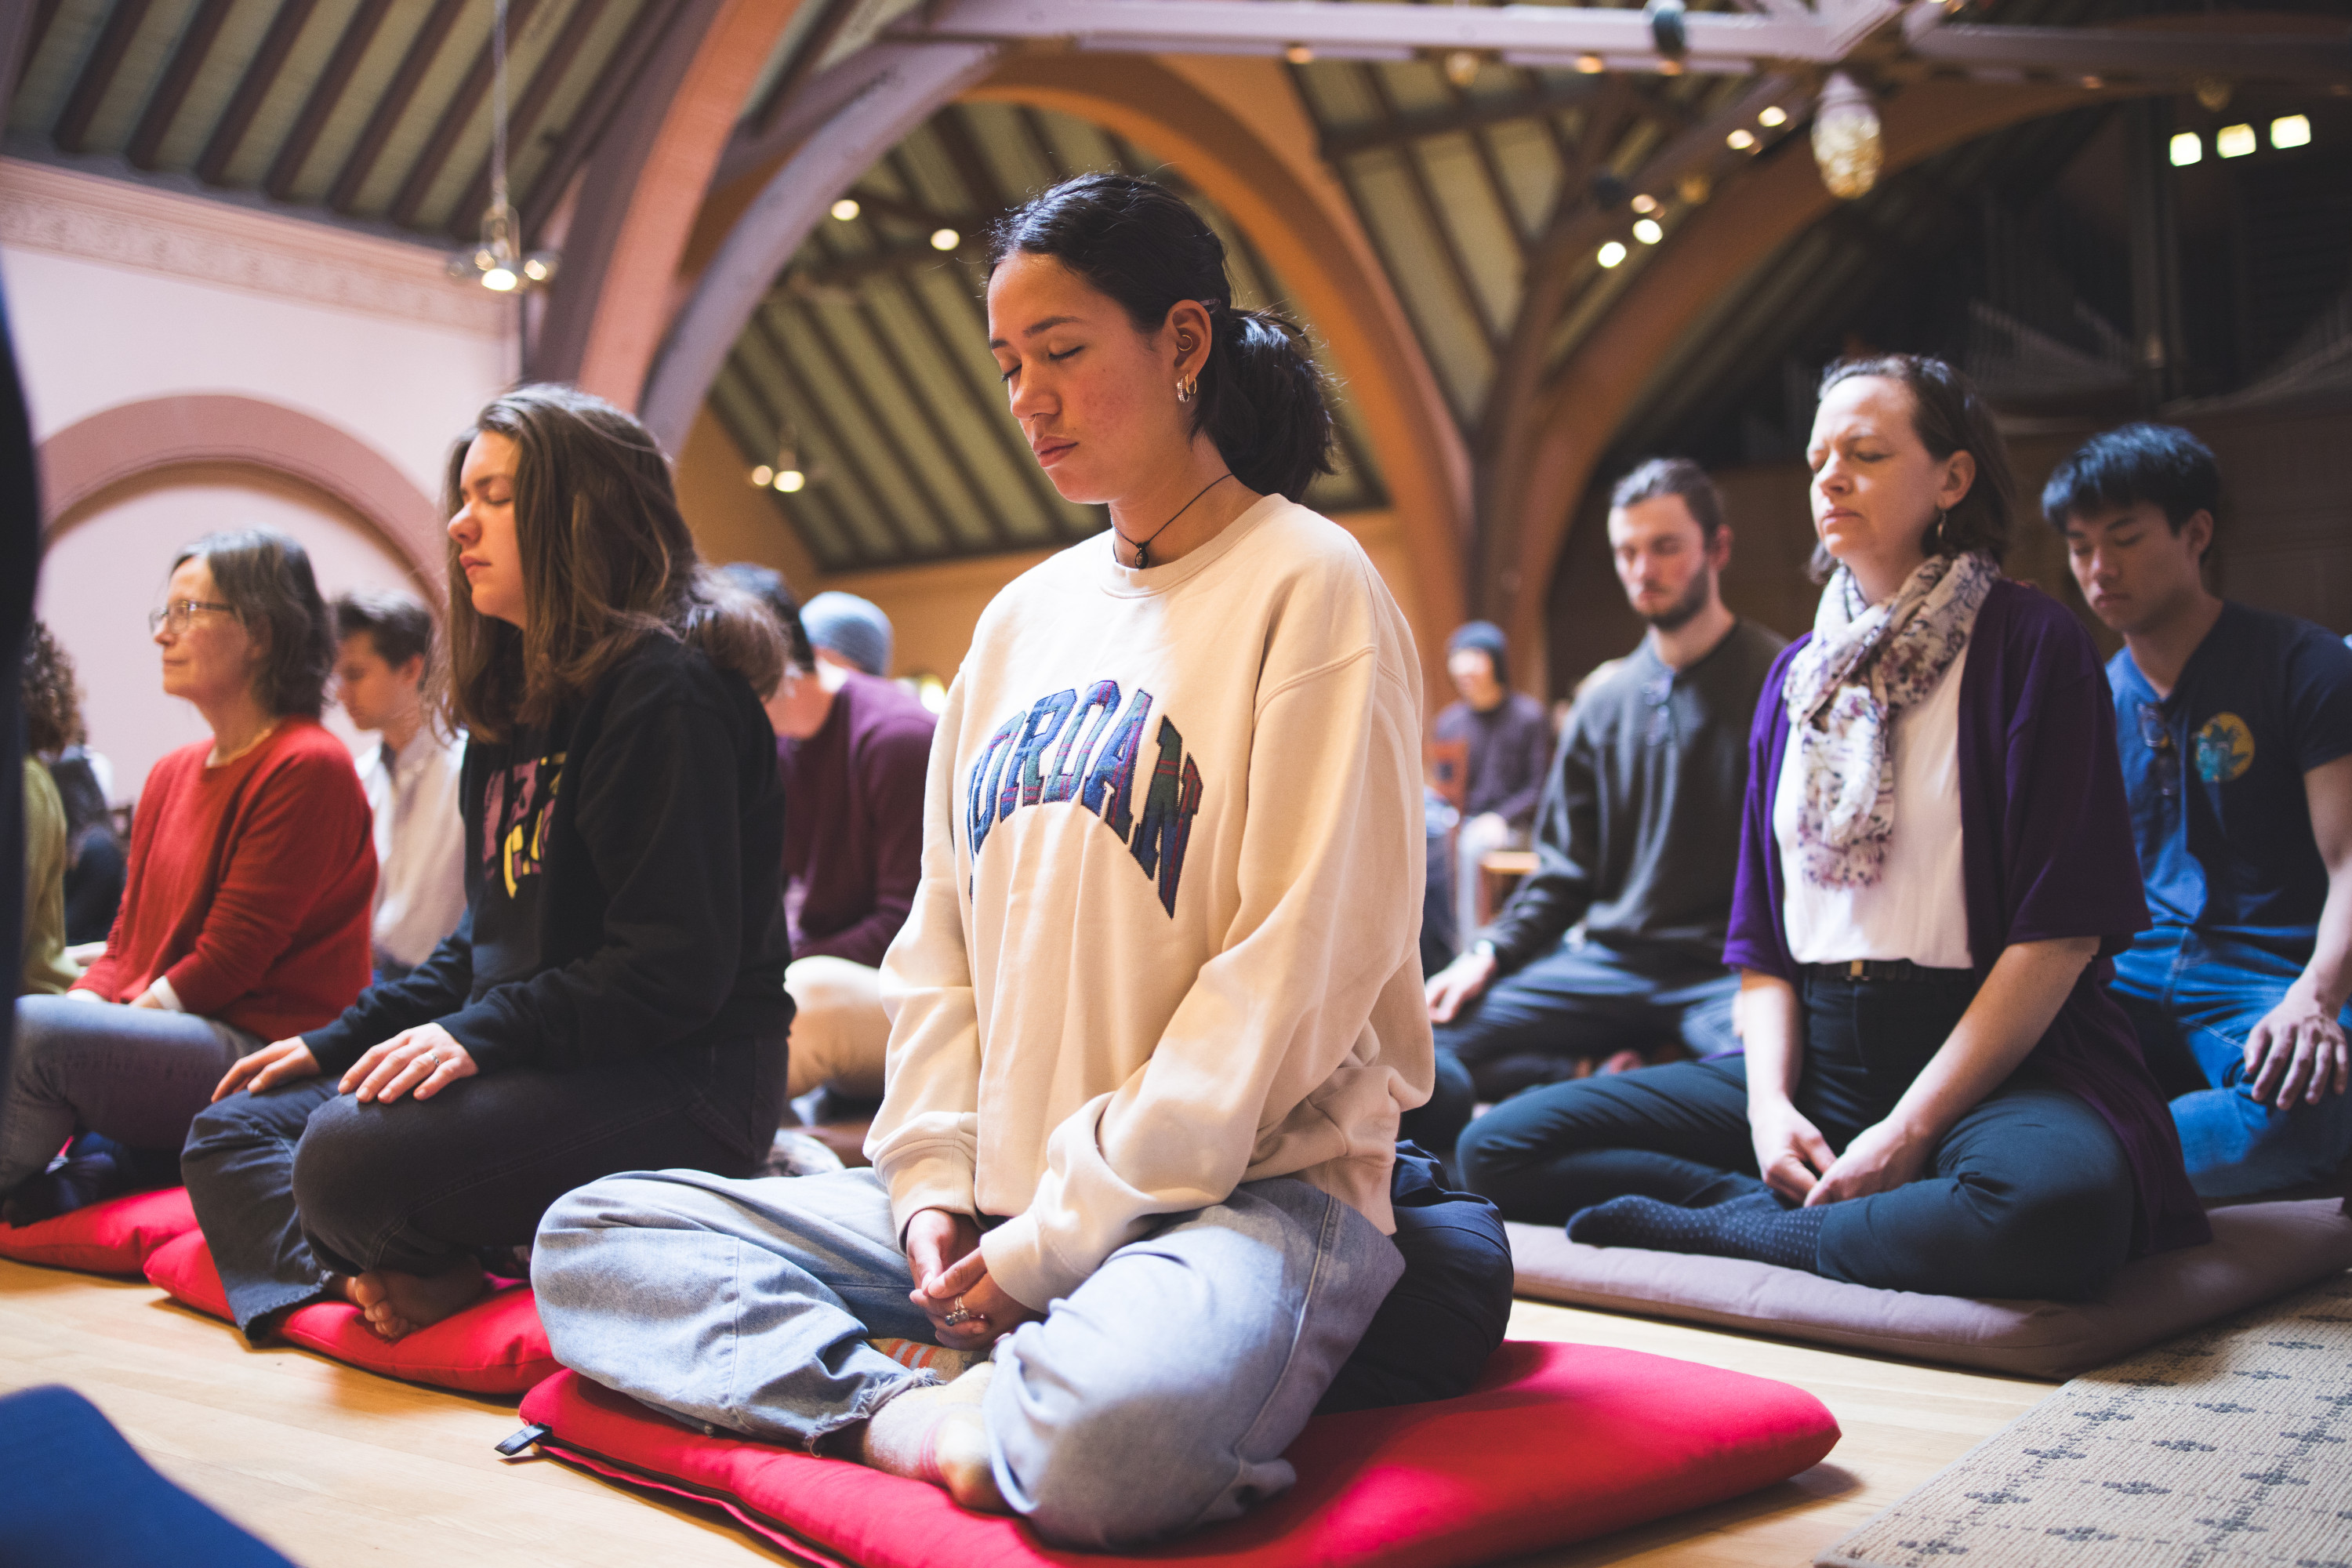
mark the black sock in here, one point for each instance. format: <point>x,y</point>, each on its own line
<point>1755,1228</point>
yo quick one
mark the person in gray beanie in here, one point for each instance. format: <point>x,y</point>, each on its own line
<point>853,631</point>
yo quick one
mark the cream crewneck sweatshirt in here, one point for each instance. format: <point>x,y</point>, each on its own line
<point>1165,939</point>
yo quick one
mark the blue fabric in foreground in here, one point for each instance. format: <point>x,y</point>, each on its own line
<point>73,1491</point>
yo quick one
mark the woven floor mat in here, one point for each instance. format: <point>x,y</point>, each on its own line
<point>2229,1447</point>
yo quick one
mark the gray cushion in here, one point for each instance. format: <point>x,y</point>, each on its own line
<point>2258,1251</point>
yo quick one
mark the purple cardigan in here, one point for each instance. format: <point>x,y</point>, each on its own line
<point>2046,852</point>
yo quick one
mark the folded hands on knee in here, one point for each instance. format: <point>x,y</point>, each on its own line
<point>953,1282</point>
<point>1797,1162</point>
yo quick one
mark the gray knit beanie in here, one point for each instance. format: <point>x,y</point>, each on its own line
<point>853,627</point>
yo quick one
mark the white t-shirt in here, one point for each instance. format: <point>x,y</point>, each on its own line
<point>1918,907</point>
<point>420,845</point>
<point>1165,938</point>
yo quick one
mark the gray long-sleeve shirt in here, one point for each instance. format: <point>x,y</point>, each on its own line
<point>1639,837</point>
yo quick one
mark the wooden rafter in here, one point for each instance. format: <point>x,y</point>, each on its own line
<point>1466,113</point>
<point>756,454</point>
<point>920,390</point>
<point>819,333</point>
<point>418,60</point>
<point>597,110</point>
<point>545,78</point>
<point>806,56</point>
<point>172,90</point>
<point>325,93</point>
<point>98,74</point>
<point>455,115</point>
<point>820,415</point>
<point>260,75</point>
<point>990,412</point>
<point>1432,213</point>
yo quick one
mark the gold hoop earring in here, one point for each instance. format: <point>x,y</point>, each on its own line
<point>1186,387</point>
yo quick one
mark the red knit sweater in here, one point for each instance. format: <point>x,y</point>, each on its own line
<point>248,885</point>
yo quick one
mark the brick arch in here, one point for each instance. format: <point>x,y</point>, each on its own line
<point>133,440</point>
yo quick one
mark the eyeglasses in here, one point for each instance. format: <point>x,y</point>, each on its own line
<point>176,616</point>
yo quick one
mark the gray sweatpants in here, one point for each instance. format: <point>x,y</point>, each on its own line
<point>1157,1396</point>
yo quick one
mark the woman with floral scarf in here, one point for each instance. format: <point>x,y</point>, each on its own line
<point>1938,1093</point>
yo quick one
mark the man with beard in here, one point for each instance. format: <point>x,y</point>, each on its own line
<point>1613,947</point>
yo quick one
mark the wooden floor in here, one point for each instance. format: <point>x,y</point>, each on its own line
<point>331,1464</point>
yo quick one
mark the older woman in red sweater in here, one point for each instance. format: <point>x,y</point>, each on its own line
<point>245,912</point>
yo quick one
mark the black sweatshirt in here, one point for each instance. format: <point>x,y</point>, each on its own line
<point>1640,833</point>
<point>623,882</point>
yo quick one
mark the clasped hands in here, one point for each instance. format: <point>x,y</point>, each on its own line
<point>1796,1161</point>
<point>422,1061</point>
<point>943,1255</point>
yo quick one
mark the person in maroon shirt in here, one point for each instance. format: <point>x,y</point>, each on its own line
<point>852,750</point>
<point>245,914</point>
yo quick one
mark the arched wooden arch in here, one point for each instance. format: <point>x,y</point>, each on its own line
<point>134,439</point>
<point>1236,131</point>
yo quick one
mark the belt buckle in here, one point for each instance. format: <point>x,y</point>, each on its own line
<point>1857,969</point>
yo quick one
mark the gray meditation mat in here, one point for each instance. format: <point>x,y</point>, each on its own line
<point>2229,1447</point>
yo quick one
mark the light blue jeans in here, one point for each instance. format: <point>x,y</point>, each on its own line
<point>2194,999</point>
<point>1156,1397</point>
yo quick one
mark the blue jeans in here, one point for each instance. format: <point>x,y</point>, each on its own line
<point>137,1075</point>
<point>1156,1397</point>
<point>2194,998</point>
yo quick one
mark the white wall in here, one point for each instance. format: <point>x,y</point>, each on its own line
<point>119,293</point>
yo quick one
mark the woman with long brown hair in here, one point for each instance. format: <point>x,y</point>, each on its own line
<point>614,999</point>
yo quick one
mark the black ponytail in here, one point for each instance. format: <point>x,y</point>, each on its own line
<point>1263,401</point>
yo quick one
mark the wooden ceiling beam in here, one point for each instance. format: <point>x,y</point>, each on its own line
<point>752,456</point>
<point>171,91</point>
<point>819,334</point>
<point>611,89</point>
<point>398,93</point>
<point>286,168</point>
<point>806,58</point>
<point>455,116</point>
<point>1432,213</point>
<point>821,416</point>
<point>990,412</point>
<point>261,76</point>
<point>1467,114</point>
<point>918,388</point>
<point>523,122</point>
<point>72,132</point>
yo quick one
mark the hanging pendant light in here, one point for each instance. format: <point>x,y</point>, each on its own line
<point>500,263</point>
<point>1846,144</point>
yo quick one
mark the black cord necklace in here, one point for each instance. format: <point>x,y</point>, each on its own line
<point>1143,551</point>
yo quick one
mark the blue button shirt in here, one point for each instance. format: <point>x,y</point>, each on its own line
<point>2214,773</point>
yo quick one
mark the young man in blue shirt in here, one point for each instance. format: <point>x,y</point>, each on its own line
<point>2236,727</point>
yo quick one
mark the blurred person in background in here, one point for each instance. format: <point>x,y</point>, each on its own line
<point>381,664</point>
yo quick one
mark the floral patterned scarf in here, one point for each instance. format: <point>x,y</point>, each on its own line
<point>1865,664</point>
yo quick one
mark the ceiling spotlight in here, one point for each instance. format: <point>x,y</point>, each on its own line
<point>791,480</point>
<point>2213,94</point>
<point>1591,65</point>
<point>846,208</point>
<point>1670,67</point>
<point>499,263</point>
<point>1299,53</point>
<point>1645,203</point>
<point>1741,140</point>
<point>2187,148</point>
<point>1461,66</point>
<point>1846,144</point>
<point>761,476</point>
<point>1694,186</point>
<point>2290,130</point>
<point>1772,114</point>
<point>1647,231</point>
<point>2234,141</point>
<point>1611,254</point>
<point>945,240</point>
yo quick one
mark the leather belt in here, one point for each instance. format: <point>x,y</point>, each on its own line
<point>1888,970</point>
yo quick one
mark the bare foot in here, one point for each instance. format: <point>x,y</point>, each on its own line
<point>395,1304</point>
<point>937,1433</point>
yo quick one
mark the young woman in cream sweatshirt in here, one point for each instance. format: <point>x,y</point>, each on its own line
<point>1158,1006</point>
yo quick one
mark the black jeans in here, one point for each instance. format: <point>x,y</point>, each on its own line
<point>300,1183</point>
<point>2028,1195</point>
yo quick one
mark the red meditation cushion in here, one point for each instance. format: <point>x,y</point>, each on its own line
<point>1556,1444</point>
<point>495,1346</point>
<point>116,1237</point>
